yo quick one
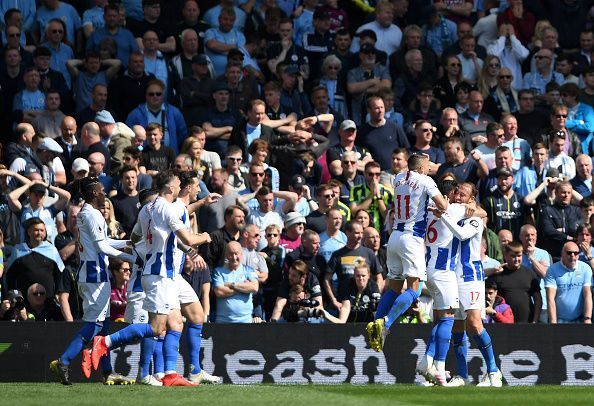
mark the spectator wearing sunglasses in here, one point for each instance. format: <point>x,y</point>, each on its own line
<point>568,283</point>
<point>39,306</point>
<point>424,131</point>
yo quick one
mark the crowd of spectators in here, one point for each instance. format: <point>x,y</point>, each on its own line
<point>289,120</point>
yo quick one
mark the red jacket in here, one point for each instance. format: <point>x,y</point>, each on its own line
<point>503,313</point>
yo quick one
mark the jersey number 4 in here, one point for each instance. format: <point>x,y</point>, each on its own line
<point>149,235</point>
<point>399,202</point>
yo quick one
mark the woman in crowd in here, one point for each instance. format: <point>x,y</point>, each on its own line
<point>445,88</point>
<point>193,147</point>
<point>489,75</point>
<point>331,67</point>
<point>258,151</point>
<point>114,229</point>
<point>359,299</point>
<point>120,275</point>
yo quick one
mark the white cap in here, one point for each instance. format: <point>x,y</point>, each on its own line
<point>80,164</point>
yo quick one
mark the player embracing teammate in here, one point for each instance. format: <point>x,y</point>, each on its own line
<point>452,268</point>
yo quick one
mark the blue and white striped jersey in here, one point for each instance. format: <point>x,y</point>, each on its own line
<point>442,247</point>
<point>469,233</point>
<point>91,228</point>
<point>182,211</point>
<point>159,222</point>
<point>412,192</point>
<point>134,284</point>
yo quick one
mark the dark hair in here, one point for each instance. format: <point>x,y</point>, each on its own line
<point>263,191</point>
<point>163,178</point>
<point>33,221</point>
<point>349,227</point>
<point>186,178</point>
<point>133,152</point>
<point>229,210</point>
<point>446,186</point>
<point>10,12</point>
<point>490,284</point>
<point>85,187</point>
<point>125,169</point>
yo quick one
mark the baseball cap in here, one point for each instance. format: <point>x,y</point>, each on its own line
<point>367,49</point>
<point>80,164</point>
<point>320,14</point>
<point>292,69</point>
<point>220,86</point>
<point>104,116</point>
<point>200,59</point>
<point>41,51</point>
<point>29,169</point>
<point>37,188</point>
<point>504,172</point>
<point>48,144</point>
<point>348,125</point>
<point>297,182</point>
<point>294,218</point>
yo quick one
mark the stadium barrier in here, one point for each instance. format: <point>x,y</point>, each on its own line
<point>319,354</point>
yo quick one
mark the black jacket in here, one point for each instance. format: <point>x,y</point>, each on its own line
<point>239,137</point>
<point>554,218</point>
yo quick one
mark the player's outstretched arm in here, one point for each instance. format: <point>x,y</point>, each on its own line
<point>463,233</point>
<point>104,248</point>
<point>192,240</point>
<point>440,202</point>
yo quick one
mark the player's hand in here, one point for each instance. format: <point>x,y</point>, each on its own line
<point>199,264</point>
<point>436,212</point>
<point>205,237</point>
<point>212,198</point>
<point>469,211</point>
<point>257,320</point>
<point>139,262</point>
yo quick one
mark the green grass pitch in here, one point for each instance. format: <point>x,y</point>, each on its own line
<point>278,395</point>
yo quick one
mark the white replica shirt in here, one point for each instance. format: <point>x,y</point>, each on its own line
<point>91,228</point>
<point>442,247</point>
<point>412,192</point>
<point>469,232</point>
<point>182,211</point>
<point>159,221</point>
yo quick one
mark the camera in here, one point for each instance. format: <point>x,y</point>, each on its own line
<point>303,309</point>
<point>308,303</point>
<point>16,299</point>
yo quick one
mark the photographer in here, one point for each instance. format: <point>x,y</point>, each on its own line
<point>298,275</point>
<point>13,307</point>
<point>359,298</point>
<point>300,308</point>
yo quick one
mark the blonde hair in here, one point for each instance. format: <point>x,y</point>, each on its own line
<point>113,226</point>
<point>483,85</point>
<point>185,149</point>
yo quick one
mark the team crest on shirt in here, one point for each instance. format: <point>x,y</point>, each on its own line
<point>474,223</point>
